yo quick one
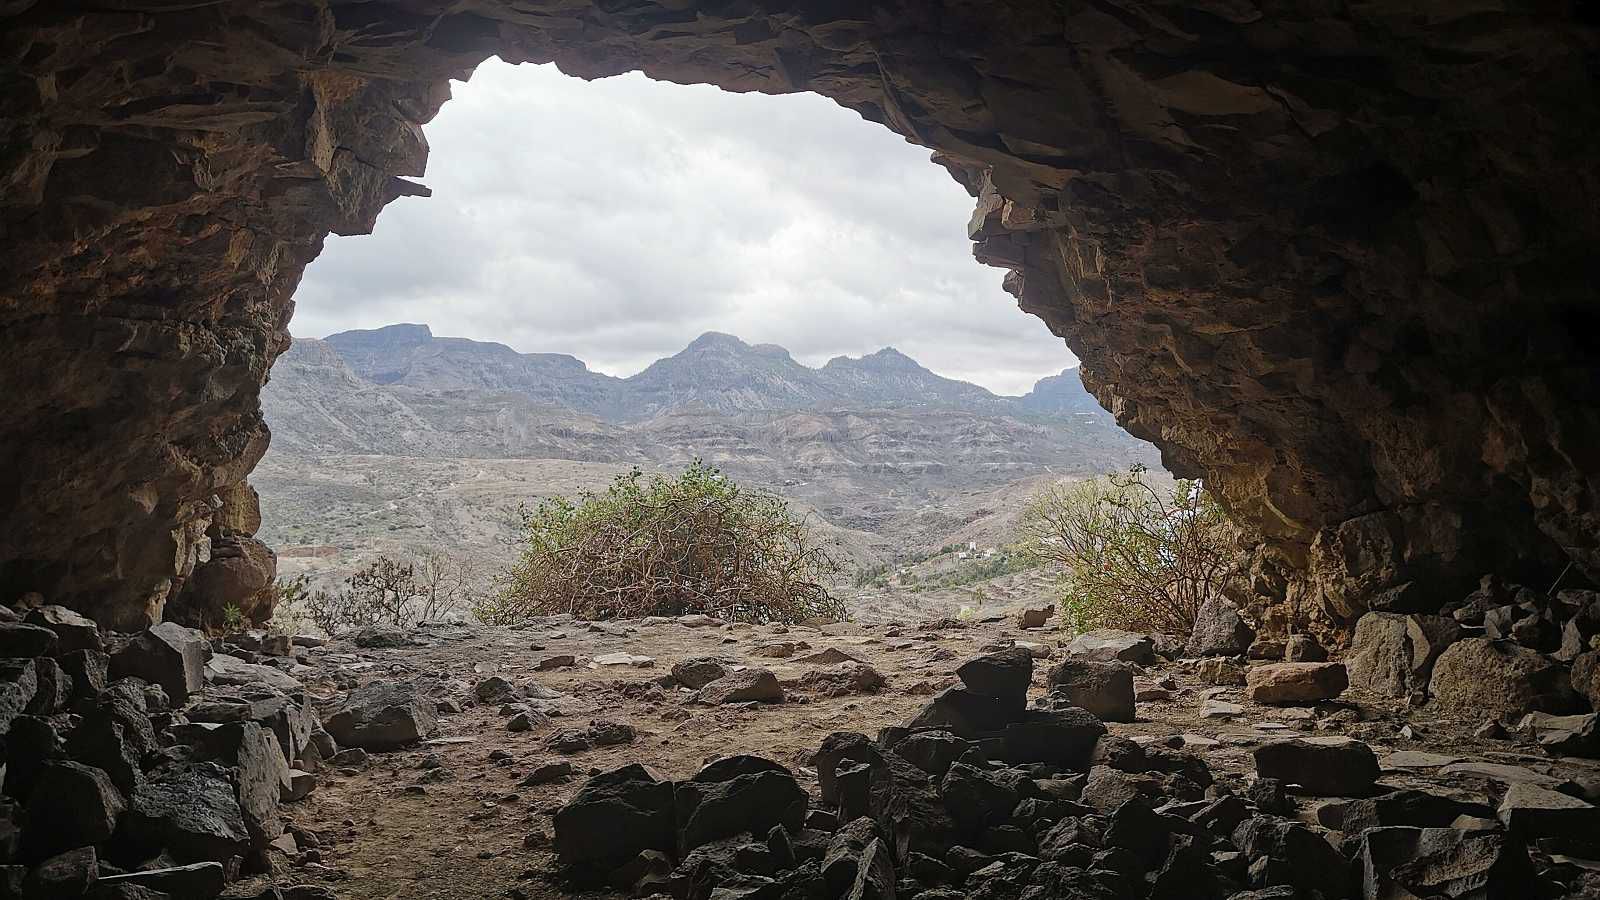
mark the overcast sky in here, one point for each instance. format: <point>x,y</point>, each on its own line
<point>616,220</point>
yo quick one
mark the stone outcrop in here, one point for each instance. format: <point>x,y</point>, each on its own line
<point>1336,259</point>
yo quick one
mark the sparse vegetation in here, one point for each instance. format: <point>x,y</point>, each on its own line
<point>1132,554</point>
<point>386,591</point>
<point>697,543</point>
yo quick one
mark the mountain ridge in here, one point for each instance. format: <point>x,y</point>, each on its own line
<point>717,370</point>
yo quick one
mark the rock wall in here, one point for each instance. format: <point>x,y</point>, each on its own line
<point>1336,259</point>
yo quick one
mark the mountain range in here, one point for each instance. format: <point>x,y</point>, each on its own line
<point>717,371</point>
<point>396,438</point>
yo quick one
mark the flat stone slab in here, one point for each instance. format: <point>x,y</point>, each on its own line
<point>1417,759</point>
<point>1505,774</point>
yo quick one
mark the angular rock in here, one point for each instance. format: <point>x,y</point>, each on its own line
<point>699,671</point>
<point>71,805</point>
<point>1287,853</point>
<point>1480,677</point>
<point>167,654</point>
<point>1404,862</point>
<point>1063,737</point>
<point>843,680</point>
<point>933,751</point>
<point>743,686</point>
<point>1111,645</point>
<point>53,688</point>
<point>1219,630</point>
<point>90,670</point>
<point>1413,808</point>
<point>737,794</point>
<point>566,660</point>
<point>383,716</point>
<point>964,712</point>
<point>1295,682</point>
<point>1585,678</point>
<point>1003,675</point>
<point>1394,655</point>
<point>73,631</point>
<point>260,770</point>
<point>1324,766</point>
<point>1577,735</point>
<point>1303,648</point>
<point>63,876</point>
<point>114,734</point>
<point>192,813</point>
<point>1105,689</point>
<point>977,799</point>
<point>614,817</point>
<point>1219,671</point>
<point>1535,812</point>
<point>19,682</point>
<point>18,640</point>
<point>840,749</point>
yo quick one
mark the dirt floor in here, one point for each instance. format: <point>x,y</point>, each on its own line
<point>445,820</point>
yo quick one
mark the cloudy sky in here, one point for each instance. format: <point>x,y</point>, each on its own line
<point>616,220</point>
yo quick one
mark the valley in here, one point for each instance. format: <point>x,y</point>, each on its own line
<point>395,442</point>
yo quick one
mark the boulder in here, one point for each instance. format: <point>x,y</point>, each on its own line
<point>1576,735</point>
<point>965,713</point>
<point>614,817</point>
<point>259,769</point>
<point>843,680</point>
<point>1220,671</point>
<point>52,689</point>
<point>18,640</point>
<point>1532,811</point>
<point>62,877</point>
<point>1585,678</point>
<point>1063,737</point>
<point>237,577</point>
<point>1417,809</point>
<point>1267,649</point>
<point>1105,689</point>
<point>743,686</point>
<point>841,749</point>
<point>114,733</point>
<point>1003,675</point>
<point>1399,861</point>
<point>933,751</point>
<point>1035,616</point>
<point>89,670</point>
<point>699,671</point>
<point>1303,648</point>
<point>191,813</point>
<point>1480,677</point>
<point>737,794</point>
<point>71,805</point>
<point>1323,766</point>
<point>1393,655</point>
<point>1219,630</point>
<point>1111,645</point>
<point>1285,853</point>
<point>1295,682</point>
<point>167,654</point>
<point>383,716</point>
<point>73,631</point>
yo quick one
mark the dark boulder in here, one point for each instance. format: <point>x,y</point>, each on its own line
<point>71,805</point>
<point>192,813</point>
<point>1332,766</point>
<point>383,716</point>
<point>167,654</point>
<point>1064,737</point>
<point>1219,631</point>
<point>73,631</point>
<point>737,794</point>
<point>1105,689</point>
<point>612,818</point>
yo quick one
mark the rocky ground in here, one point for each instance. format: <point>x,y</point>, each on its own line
<point>477,737</point>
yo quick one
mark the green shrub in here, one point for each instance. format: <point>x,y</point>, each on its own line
<point>697,543</point>
<point>1133,555</point>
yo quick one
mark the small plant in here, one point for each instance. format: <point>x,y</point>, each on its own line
<point>233,618</point>
<point>1132,555</point>
<point>697,543</point>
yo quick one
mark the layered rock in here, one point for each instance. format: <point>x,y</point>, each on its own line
<point>1336,259</point>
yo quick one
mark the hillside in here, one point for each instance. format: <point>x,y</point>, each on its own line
<point>392,440</point>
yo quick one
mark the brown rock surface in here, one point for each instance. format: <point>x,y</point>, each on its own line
<point>1480,677</point>
<point>1295,682</point>
<point>1346,277</point>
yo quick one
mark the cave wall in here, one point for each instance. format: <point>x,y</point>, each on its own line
<point>1339,259</point>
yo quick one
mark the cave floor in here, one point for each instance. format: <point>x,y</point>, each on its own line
<point>445,820</point>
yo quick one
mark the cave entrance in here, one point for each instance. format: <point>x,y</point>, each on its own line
<point>626,272</point>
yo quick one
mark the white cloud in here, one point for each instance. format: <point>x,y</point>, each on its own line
<point>616,220</point>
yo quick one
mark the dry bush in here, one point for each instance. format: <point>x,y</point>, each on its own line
<point>386,591</point>
<point>697,543</point>
<point>1133,555</point>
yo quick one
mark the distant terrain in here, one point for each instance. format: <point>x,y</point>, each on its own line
<point>396,441</point>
